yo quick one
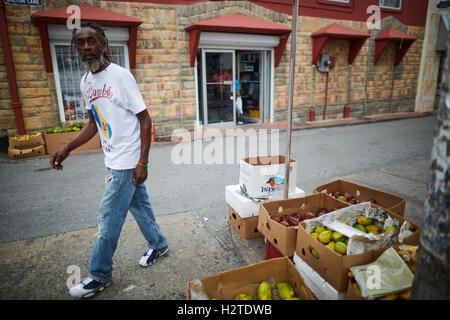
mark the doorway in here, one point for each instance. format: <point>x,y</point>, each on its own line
<point>234,86</point>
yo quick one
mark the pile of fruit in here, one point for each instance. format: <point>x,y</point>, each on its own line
<point>338,242</point>
<point>284,292</point>
<point>23,137</point>
<point>367,225</point>
<point>335,241</point>
<point>73,128</point>
<point>347,197</point>
<point>296,218</point>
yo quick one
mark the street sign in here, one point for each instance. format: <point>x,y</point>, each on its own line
<point>25,2</point>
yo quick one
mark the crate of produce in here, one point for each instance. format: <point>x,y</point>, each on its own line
<point>279,220</point>
<point>354,193</point>
<point>261,281</point>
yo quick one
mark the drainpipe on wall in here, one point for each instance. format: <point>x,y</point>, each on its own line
<point>16,105</point>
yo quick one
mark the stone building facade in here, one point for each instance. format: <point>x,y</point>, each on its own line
<point>170,85</point>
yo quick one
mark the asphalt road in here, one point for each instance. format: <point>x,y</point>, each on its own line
<point>37,201</point>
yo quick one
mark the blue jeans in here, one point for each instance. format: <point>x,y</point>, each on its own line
<point>120,196</point>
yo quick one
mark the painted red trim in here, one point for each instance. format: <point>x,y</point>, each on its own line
<point>132,46</point>
<point>413,12</point>
<point>9,65</point>
<point>393,35</point>
<point>45,46</point>
<point>237,23</point>
<point>88,13</point>
<point>194,39</point>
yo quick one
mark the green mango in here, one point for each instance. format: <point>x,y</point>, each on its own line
<point>325,236</point>
<point>285,290</point>
<point>337,236</point>
<point>361,228</point>
<point>265,291</point>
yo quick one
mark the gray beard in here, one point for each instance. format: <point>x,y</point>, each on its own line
<point>95,65</point>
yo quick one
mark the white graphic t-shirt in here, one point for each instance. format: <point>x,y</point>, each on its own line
<point>114,98</point>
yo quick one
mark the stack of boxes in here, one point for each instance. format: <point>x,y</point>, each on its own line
<point>260,180</point>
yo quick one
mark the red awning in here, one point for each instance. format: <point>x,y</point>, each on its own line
<point>237,23</point>
<point>335,31</point>
<point>100,16</point>
<point>404,41</point>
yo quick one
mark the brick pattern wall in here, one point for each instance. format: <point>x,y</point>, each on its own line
<point>167,81</point>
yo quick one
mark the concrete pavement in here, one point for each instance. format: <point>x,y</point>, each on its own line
<point>39,267</point>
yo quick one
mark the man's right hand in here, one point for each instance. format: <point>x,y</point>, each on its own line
<point>57,158</point>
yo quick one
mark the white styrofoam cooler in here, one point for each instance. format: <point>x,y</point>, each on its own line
<point>321,289</point>
<point>262,180</point>
<point>245,207</point>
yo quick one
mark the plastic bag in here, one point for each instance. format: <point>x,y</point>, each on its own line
<point>387,275</point>
<point>239,105</point>
<point>197,292</point>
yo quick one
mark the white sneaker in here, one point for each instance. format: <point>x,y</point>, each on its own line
<point>87,288</point>
<point>151,256</point>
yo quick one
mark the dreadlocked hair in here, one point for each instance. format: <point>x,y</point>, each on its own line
<point>101,37</point>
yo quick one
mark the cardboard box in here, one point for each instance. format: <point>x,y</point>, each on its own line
<point>246,207</point>
<point>351,293</point>
<point>227,285</point>
<point>385,200</point>
<point>285,238</point>
<point>32,142</point>
<point>56,141</point>
<point>321,289</point>
<point>262,176</point>
<point>14,154</point>
<point>332,266</point>
<point>246,227</point>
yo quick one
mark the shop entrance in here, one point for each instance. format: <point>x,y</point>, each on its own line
<point>234,86</point>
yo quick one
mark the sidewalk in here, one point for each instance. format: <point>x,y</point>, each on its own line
<point>40,268</point>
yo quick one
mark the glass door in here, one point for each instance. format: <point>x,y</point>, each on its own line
<point>251,69</point>
<point>218,86</point>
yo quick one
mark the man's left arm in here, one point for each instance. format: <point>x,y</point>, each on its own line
<point>140,173</point>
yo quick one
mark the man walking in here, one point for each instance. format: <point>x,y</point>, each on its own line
<point>118,112</point>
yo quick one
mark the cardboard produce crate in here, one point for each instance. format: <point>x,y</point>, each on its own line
<point>15,154</point>
<point>227,285</point>
<point>246,227</point>
<point>285,238</point>
<point>385,200</point>
<point>332,266</point>
<point>261,176</point>
<point>56,141</point>
<point>27,141</point>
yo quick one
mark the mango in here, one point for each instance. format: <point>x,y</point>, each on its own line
<point>325,237</point>
<point>319,230</point>
<point>405,295</point>
<point>293,298</point>
<point>285,290</point>
<point>337,236</point>
<point>372,227</point>
<point>241,296</point>
<point>364,221</point>
<point>356,287</point>
<point>252,297</point>
<point>390,229</point>
<point>332,245</point>
<point>360,228</point>
<point>314,235</point>
<point>374,232</point>
<point>265,291</point>
<point>315,253</point>
<point>341,248</point>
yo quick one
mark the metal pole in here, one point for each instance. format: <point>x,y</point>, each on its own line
<point>291,94</point>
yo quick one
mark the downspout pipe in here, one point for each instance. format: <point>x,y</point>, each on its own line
<point>16,105</point>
